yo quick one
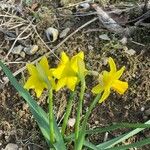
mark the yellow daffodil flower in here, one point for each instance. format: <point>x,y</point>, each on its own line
<point>110,80</point>
<point>67,71</point>
<point>36,81</point>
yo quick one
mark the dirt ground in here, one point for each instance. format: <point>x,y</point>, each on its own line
<point>16,123</point>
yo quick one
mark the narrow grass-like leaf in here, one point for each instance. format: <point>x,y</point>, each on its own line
<point>119,139</point>
<point>117,126</point>
<point>133,145</point>
<point>111,128</point>
<point>38,113</point>
<point>86,143</point>
<point>90,145</point>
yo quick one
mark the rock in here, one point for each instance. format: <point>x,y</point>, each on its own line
<point>90,47</point>
<point>83,7</point>
<point>124,40</point>
<point>11,146</point>
<point>147,112</point>
<point>64,32</point>
<point>142,109</point>
<point>31,49</point>
<point>104,37</point>
<point>96,122</point>
<point>71,122</point>
<point>130,51</point>
<point>17,49</point>
<point>22,54</point>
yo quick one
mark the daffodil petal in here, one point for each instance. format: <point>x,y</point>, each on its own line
<point>105,95</point>
<point>44,64</point>
<point>71,83</point>
<point>64,57</point>
<point>112,65</point>
<point>50,73</point>
<point>32,69</point>
<point>119,73</point>
<point>120,86</point>
<point>61,83</point>
<point>80,54</point>
<point>97,89</point>
<point>37,85</point>
<point>57,73</point>
<point>74,61</point>
<point>105,76</point>
<point>39,90</point>
<point>100,79</point>
<point>30,83</point>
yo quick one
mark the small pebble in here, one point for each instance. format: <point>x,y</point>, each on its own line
<point>64,33</point>
<point>83,6</point>
<point>71,122</point>
<point>104,37</point>
<point>17,49</point>
<point>96,122</point>
<point>124,40</point>
<point>130,52</point>
<point>147,112</point>
<point>90,47</point>
<point>142,108</point>
<point>22,54</point>
<point>31,49</point>
<point>11,146</point>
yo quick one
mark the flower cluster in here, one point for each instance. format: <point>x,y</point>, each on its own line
<point>66,74</point>
<point>70,72</point>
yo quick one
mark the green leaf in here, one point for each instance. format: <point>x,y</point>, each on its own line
<point>117,126</point>
<point>121,138</point>
<point>86,143</point>
<point>133,145</point>
<point>38,113</point>
<point>111,128</point>
<point>90,145</point>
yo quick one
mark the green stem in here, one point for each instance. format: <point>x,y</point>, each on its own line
<point>79,110</point>
<point>68,110</point>
<point>51,117</point>
<point>80,141</point>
